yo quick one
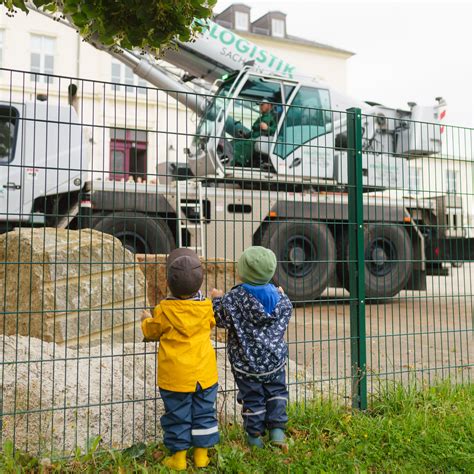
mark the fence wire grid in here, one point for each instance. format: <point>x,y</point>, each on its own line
<point>369,212</point>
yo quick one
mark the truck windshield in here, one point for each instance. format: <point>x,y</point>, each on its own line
<point>243,117</point>
<point>243,110</point>
<point>207,125</point>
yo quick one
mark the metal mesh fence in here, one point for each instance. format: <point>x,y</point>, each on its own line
<point>368,212</point>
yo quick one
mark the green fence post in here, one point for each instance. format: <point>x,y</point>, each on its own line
<point>356,259</point>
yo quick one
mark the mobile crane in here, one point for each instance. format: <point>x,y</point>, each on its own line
<point>290,195</point>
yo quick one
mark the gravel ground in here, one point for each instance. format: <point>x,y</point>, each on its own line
<point>425,335</point>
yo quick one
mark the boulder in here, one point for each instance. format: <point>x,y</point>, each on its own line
<point>71,287</point>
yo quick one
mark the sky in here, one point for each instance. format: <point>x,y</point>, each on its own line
<point>406,50</point>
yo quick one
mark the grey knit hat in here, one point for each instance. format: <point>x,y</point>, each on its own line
<point>184,273</point>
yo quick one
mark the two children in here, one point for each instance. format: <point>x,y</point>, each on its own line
<point>256,315</point>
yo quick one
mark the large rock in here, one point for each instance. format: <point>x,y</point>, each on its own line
<point>218,273</point>
<point>56,398</point>
<point>71,287</point>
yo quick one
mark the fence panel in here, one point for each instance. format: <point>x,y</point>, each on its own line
<point>100,181</point>
<point>422,333</point>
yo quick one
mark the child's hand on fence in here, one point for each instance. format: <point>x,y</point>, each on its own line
<point>215,293</point>
<point>281,290</point>
<point>145,315</point>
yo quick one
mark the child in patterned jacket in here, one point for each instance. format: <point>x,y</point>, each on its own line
<point>256,314</point>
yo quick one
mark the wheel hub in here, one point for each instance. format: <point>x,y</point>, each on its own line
<point>298,256</point>
<point>381,256</point>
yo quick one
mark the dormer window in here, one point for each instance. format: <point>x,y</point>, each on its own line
<point>278,28</point>
<point>241,21</point>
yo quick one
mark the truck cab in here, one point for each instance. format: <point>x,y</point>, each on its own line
<point>309,139</point>
<point>43,162</point>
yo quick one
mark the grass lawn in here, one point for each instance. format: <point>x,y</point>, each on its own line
<point>430,430</point>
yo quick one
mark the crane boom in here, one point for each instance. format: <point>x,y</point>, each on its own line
<point>217,51</point>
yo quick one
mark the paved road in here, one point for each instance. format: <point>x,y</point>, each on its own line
<point>417,334</point>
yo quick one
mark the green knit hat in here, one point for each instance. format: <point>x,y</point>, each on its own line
<point>257,265</point>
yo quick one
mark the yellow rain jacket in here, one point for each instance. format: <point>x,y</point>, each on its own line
<point>185,356</point>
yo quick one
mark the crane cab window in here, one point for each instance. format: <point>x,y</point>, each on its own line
<point>8,132</point>
<point>244,110</point>
<point>307,117</point>
<point>251,124</point>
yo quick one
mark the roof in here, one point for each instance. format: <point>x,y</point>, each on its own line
<point>286,39</point>
<point>300,41</point>
<point>233,6</point>
<point>316,44</point>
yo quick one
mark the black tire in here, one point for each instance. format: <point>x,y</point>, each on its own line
<point>388,256</point>
<point>306,255</point>
<point>137,232</point>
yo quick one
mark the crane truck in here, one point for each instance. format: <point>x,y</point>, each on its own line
<point>290,195</point>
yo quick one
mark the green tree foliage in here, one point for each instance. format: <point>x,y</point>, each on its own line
<point>145,24</point>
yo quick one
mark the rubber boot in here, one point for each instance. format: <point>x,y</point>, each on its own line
<point>255,441</point>
<point>201,459</point>
<point>177,461</point>
<point>278,438</point>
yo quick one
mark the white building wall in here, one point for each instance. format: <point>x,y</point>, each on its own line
<point>100,107</point>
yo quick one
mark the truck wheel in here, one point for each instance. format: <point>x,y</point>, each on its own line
<point>388,256</point>
<point>137,232</point>
<point>306,257</point>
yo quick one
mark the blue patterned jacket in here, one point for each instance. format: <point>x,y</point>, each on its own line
<point>256,344</point>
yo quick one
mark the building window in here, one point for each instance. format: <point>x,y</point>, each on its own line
<point>241,21</point>
<point>122,74</point>
<point>278,28</point>
<point>415,176</point>
<point>451,181</point>
<point>128,155</point>
<point>42,57</point>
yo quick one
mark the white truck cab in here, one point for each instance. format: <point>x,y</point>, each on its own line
<point>42,156</point>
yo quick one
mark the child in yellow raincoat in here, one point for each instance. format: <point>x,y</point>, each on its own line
<point>187,367</point>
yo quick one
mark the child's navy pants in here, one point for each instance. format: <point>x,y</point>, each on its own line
<point>263,404</point>
<point>190,419</point>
